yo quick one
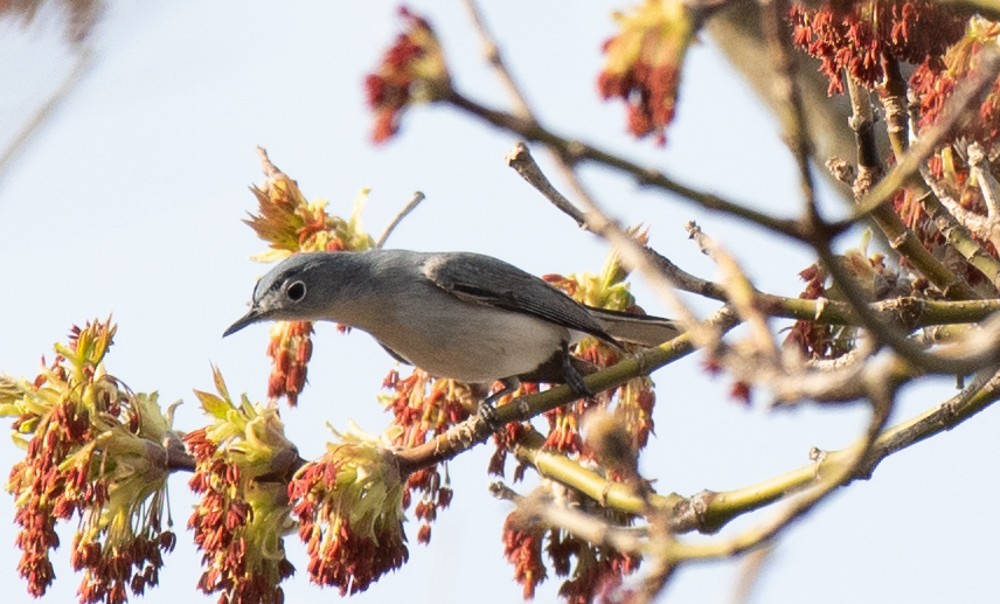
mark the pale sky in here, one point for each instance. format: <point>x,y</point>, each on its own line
<point>129,200</point>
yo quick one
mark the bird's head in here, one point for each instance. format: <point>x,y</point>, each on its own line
<point>288,292</point>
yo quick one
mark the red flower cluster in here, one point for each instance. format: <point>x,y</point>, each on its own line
<point>872,274</point>
<point>633,401</point>
<point>90,453</point>
<point>423,406</point>
<point>240,521</point>
<point>864,37</point>
<point>349,508</point>
<point>290,223</point>
<point>412,70</point>
<point>934,82</point>
<point>523,549</point>
<point>290,349</point>
<point>644,64</point>
<point>223,525</point>
<point>593,572</point>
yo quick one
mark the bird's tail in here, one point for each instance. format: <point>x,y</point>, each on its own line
<point>644,330</point>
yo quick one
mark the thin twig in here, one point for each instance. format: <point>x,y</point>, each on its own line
<point>576,151</point>
<point>634,255</point>
<point>495,59</point>
<point>410,206</point>
<point>979,169</point>
<point>830,478</point>
<point>635,258</point>
<point>740,293</point>
<point>84,61</point>
<point>630,251</point>
<point>524,164</point>
<point>709,511</point>
<point>538,509</point>
<point>789,99</point>
<point>750,572</point>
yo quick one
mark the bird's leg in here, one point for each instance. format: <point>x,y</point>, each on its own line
<point>487,409</point>
<point>573,377</point>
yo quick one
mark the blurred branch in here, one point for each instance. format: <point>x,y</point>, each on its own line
<point>493,56</point>
<point>737,32</point>
<point>709,511</point>
<point>575,151</point>
<point>750,572</point>
<point>719,508</point>
<point>790,106</point>
<point>987,8</point>
<point>829,476</point>
<point>84,60</point>
<point>907,312</point>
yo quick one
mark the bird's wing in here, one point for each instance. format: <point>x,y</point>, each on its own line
<point>486,280</point>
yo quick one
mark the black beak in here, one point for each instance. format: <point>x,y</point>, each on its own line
<point>254,315</point>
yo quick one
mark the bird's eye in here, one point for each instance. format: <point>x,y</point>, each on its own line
<point>295,291</point>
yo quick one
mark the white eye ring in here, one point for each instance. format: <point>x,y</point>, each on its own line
<point>295,291</point>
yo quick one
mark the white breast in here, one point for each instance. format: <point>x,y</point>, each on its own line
<point>471,342</point>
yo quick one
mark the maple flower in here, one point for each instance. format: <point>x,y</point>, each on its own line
<point>95,450</point>
<point>596,571</point>
<point>290,349</point>
<point>592,572</point>
<point>412,70</point>
<point>523,548</point>
<point>864,37</point>
<point>290,223</point>
<point>243,515</point>
<point>644,64</point>
<point>349,505</point>
<point>423,406</point>
<point>871,274</point>
<point>934,83</point>
<point>635,399</point>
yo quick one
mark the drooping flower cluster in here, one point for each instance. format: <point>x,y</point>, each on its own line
<point>871,274</point>
<point>934,83</point>
<point>412,70</point>
<point>349,505</point>
<point>592,573</point>
<point>95,450</point>
<point>423,406</point>
<point>866,38</point>
<point>290,224</point>
<point>242,462</point>
<point>644,63</point>
<point>634,400</point>
<point>290,349</point>
<point>523,549</point>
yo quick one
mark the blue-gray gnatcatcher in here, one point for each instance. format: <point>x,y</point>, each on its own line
<point>456,315</point>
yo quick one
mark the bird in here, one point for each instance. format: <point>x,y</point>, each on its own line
<point>461,315</point>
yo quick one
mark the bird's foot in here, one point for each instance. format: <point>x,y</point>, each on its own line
<point>488,409</point>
